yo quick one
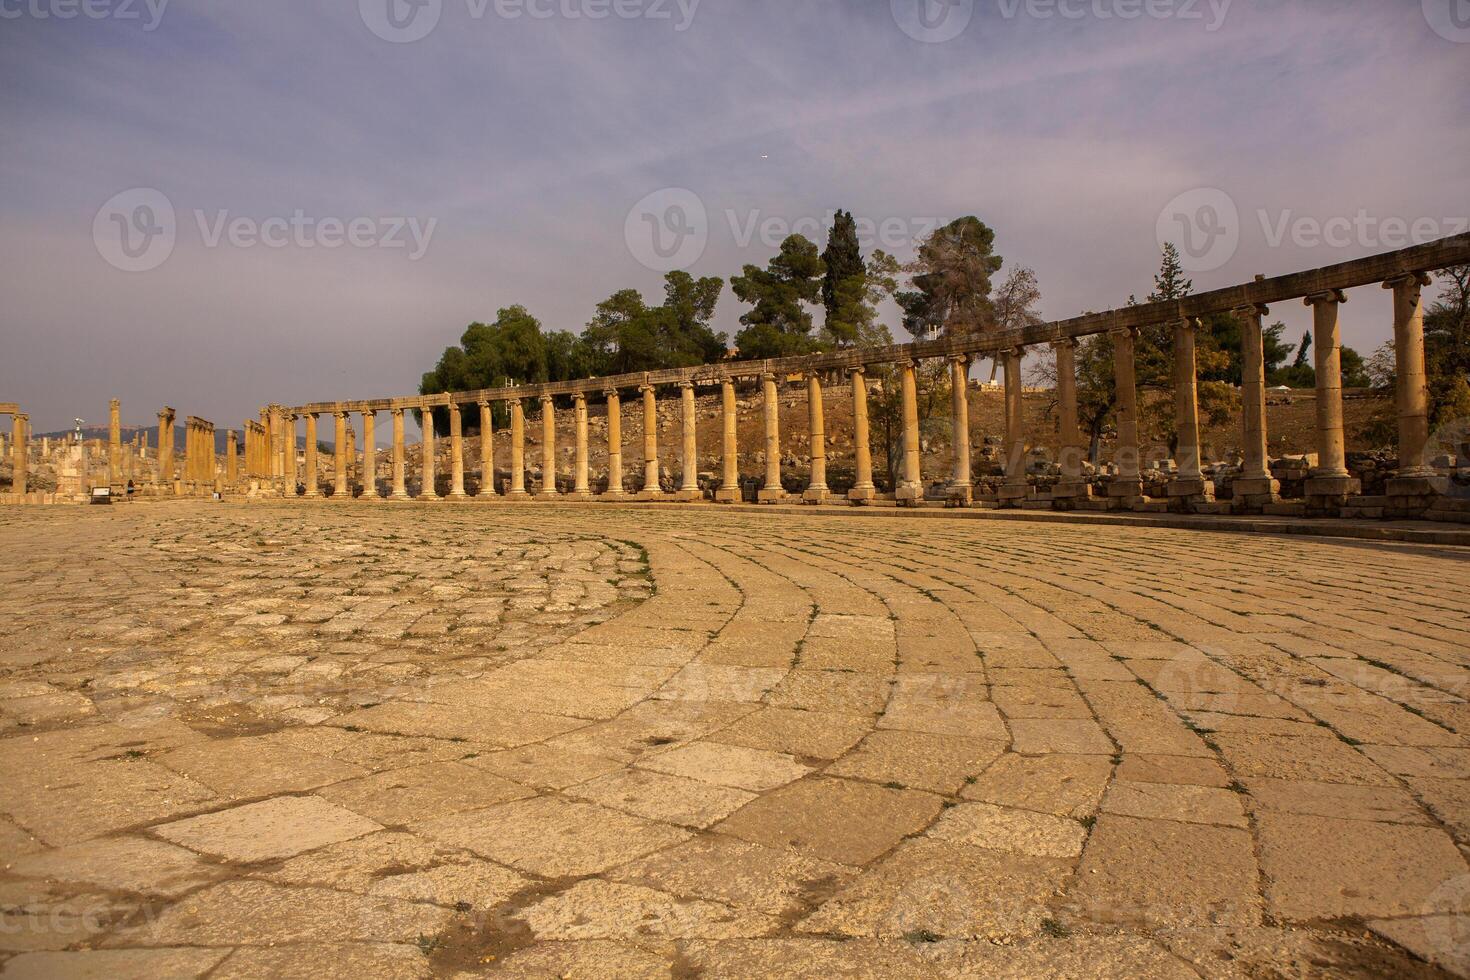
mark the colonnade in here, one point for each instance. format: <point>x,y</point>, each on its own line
<point>1329,487</point>
<point>199,456</point>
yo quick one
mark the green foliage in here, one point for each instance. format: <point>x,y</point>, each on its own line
<point>512,350</point>
<point>854,320</point>
<point>1447,349</point>
<point>779,323</point>
<point>626,335</point>
<point>951,280</point>
<point>843,262</point>
<point>1170,283</point>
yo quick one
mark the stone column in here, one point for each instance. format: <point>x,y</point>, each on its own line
<point>548,447</point>
<point>772,492</point>
<point>816,489</point>
<point>689,482</point>
<point>232,459</point>
<point>910,491</point>
<point>428,491</point>
<point>312,490</point>
<point>400,485</point>
<point>20,437</point>
<point>1253,488</point>
<point>729,491</point>
<point>582,488</point>
<point>1189,488</point>
<point>614,445</point>
<point>652,490</point>
<point>517,451</point>
<point>1125,489</point>
<point>288,454</point>
<point>456,452</point>
<point>863,490</point>
<point>166,447</point>
<point>1329,485</point>
<point>114,444</point>
<point>1071,487</point>
<point>370,455</point>
<point>1015,488</point>
<point>487,450</point>
<point>340,490</point>
<point>1411,383</point>
<point>961,487</point>
<point>1416,487</point>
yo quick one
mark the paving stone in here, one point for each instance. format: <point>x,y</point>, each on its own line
<point>245,768</point>
<point>131,864</point>
<point>729,765</point>
<point>1011,831</point>
<point>1068,785</point>
<point>114,964</point>
<point>1165,873</point>
<point>943,889</point>
<point>553,837</point>
<point>1164,801</point>
<point>1042,736</point>
<point>275,828</point>
<point>609,910</point>
<point>308,961</point>
<point>833,819</point>
<point>1325,868</point>
<point>939,763</point>
<point>719,868</point>
<point>658,796</point>
<point>811,734</point>
<point>401,796</point>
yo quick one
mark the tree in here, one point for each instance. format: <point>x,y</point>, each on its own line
<point>1015,305</point>
<point>1301,373</point>
<point>1447,350</point>
<point>511,350</point>
<point>779,323</point>
<point>626,335</point>
<point>1170,282</point>
<point>843,261</point>
<point>951,280</point>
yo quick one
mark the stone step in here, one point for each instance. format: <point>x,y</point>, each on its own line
<point>1285,509</point>
<point>1354,512</point>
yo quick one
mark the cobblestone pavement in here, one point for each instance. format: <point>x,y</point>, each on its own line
<point>356,740</point>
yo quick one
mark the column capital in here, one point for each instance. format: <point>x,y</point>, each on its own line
<point>767,376</point>
<point>859,371</point>
<point>1418,278</point>
<point>483,403</point>
<point>1326,296</point>
<point>397,412</point>
<point>686,385</point>
<point>646,387</point>
<point>1187,322</point>
<point>580,398</point>
<point>368,413</point>
<point>1250,310</point>
<point>610,392</point>
<point>1064,343</point>
<point>960,359</point>
<point>545,399</point>
<point>1118,333</point>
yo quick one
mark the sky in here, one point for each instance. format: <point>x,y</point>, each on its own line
<point>217,205</point>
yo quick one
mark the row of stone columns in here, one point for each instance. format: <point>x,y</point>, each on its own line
<point>166,446</point>
<point>199,459</point>
<point>1330,482</point>
<point>20,452</point>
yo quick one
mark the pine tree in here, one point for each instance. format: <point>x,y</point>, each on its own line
<point>1170,282</point>
<point>843,258</point>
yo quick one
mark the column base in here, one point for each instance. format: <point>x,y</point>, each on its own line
<point>547,494</point>
<point>577,495</point>
<point>728,495</point>
<point>1068,495</point>
<point>1326,495</point>
<point>688,494</point>
<point>816,495</point>
<point>1010,495</point>
<point>399,495</point>
<point>863,495</point>
<point>650,495</point>
<point>518,496</point>
<point>1253,494</point>
<point>960,495</point>
<point>908,495</point>
<point>771,495</point>
<point>1411,497</point>
<point>616,494</point>
<point>1186,494</point>
<point>453,495</point>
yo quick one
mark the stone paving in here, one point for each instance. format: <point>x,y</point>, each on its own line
<point>543,741</point>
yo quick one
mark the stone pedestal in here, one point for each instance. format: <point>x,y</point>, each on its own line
<point>1411,497</point>
<point>1250,494</point>
<point>1011,494</point>
<point>1068,494</point>
<point>727,495</point>
<point>1124,493</point>
<point>1325,495</point>
<point>960,495</point>
<point>816,495</point>
<point>1187,492</point>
